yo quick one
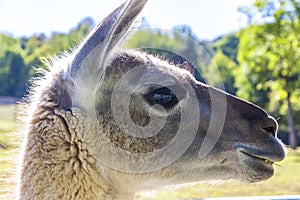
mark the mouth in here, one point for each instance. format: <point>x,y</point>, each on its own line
<point>265,155</point>
<point>257,162</point>
<point>256,167</point>
<point>257,158</point>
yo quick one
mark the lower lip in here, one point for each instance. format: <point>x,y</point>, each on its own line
<point>255,162</point>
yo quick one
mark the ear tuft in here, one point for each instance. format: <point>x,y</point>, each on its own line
<point>108,34</point>
<point>86,71</point>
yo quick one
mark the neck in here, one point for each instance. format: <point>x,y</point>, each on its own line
<point>57,163</point>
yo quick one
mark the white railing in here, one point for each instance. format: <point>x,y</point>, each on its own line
<point>284,197</point>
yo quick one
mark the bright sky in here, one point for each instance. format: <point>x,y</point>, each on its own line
<point>208,18</point>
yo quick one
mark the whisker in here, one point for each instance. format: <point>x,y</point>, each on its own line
<point>277,164</point>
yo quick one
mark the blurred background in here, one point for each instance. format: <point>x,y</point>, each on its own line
<point>253,44</point>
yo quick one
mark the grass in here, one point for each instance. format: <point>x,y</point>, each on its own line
<point>10,139</point>
<point>285,182</point>
<point>8,124</point>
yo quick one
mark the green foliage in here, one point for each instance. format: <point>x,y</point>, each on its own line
<point>18,56</point>
<point>13,74</point>
<point>155,40</point>
<point>270,57</point>
<point>224,68</point>
<point>253,59</point>
<point>9,43</point>
<point>228,45</point>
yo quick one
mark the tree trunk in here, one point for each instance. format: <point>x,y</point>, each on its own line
<point>2,146</point>
<point>292,132</point>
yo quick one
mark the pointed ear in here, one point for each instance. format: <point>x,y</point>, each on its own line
<point>107,34</point>
<point>87,68</point>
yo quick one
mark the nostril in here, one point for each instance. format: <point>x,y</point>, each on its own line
<point>270,129</point>
<point>269,125</point>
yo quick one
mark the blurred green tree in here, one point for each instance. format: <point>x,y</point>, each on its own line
<point>225,72</point>
<point>19,56</point>
<point>13,75</point>
<point>269,56</point>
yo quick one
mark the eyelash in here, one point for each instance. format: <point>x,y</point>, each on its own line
<point>162,96</point>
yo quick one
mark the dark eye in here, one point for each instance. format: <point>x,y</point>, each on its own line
<point>163,96</point>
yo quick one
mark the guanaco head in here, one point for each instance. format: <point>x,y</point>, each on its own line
<point>154,123</point>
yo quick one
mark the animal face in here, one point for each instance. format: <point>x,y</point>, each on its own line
<point>159,119</point>
<point>154,119</point>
